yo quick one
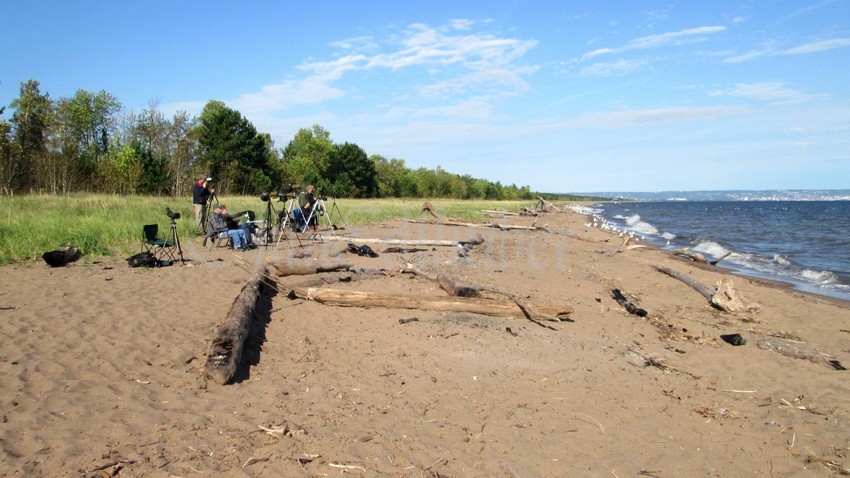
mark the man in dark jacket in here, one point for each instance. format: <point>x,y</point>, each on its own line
<point>200,195</point>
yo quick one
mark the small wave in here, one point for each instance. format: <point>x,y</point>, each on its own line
<point>781,260</point>
<point>586,210</point>
<point>819,277</point>
<point>635,224</point>
<point>668,235</point>
<point>711,248</point>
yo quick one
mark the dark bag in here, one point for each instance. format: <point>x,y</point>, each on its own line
<point>143,259</point>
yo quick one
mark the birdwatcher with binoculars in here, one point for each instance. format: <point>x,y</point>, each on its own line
<point>201,194</point>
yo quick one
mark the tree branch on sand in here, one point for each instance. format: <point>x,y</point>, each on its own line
<point>723,296</point>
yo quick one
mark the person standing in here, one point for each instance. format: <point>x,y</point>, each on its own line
<point>200,195</point>
<point>307,202</point>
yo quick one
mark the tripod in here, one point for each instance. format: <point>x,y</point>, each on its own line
<point>284,222</point>
<point>268,224</point>
<point>334,207</point>
<point>321,209</point>
<point>202,227</point>
<point>174,238</point>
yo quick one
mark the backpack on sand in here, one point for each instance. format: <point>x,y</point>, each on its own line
<point>143,259</point>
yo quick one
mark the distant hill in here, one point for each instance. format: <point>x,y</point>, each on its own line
<point>743,195</point>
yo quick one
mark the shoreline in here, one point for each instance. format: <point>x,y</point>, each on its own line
<point>796,284</point>
<point>101,370</point>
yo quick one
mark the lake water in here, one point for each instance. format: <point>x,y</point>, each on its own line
<point>804,243</point>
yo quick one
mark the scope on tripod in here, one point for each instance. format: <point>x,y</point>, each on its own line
<point>264,197</point>
<point>171,214</point>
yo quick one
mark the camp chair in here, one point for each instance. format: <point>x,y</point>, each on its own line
<point>151,242</point>
<point>217,238</point>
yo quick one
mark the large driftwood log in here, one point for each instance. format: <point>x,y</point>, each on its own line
<point>307,267</point>
<point>503,227</point>
<point>456,288</point>
<point>723,296</point>
<point>491,307</point>
<point>225,351</point>
<point>404,242</point>
<point>698,286</point>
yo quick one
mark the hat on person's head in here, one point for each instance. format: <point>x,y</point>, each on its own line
<point>199,177</point>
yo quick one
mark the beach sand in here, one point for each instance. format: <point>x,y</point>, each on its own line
<point>101,368</point>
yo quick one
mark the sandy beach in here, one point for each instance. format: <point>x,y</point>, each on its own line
<point>101,367</point>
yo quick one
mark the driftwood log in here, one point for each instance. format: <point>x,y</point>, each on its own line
<point>307,267</point>
<point>626,304</point>
<point>698,257</point>
<point>225,351</point>
<point>797,350</point>
<point>457,288</point>
<point>723,296</point>
<point>404,242</point>
<point>503,227</point>
<point>490,307</point>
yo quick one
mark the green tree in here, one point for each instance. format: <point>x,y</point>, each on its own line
<point>350,172</point>
<point>88,120</point>
<point>6,165</point>
<point>232,149</point>
<point>306,157</point>
<point>30,121</point>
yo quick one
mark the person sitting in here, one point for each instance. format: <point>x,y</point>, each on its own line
<point>223,223</point>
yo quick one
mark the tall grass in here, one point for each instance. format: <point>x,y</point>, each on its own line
<point>111,225</point>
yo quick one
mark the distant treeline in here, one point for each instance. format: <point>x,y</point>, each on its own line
<point>89,143</point>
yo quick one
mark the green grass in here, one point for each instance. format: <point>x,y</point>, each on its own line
<point>111,225</point>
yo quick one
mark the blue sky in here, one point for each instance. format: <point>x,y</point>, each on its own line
<point>562,96</point>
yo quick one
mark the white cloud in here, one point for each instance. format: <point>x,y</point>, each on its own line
<point>813,47</point>
<point>466,61</point>
<point>818,46</point>
<point>611,68</point>
<point>663,39</point>
<point>773,92</point>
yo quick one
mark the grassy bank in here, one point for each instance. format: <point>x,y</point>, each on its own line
<point>109,225</point>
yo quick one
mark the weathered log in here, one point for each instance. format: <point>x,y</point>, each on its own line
<point>796,350</point>
<point>458,289</point>
<point>306,267</point>
<point>694,256</point>
<point>626,304</point>
<point>503,227</point>
<point>225,351</point>
<point>723,296</point>
<point>404,242</point>
<point>337,278</point>
<point>452,286</point>
<point>698,286</point>
<point>491,307</point>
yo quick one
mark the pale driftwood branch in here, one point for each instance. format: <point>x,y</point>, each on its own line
<point>225,351</point>
<point>404,242</point>
<point>698,286</point>
<point>490,307</point>
<point>542,203</point>
<point>291,267</point>
<point>795,350</point>
<point>723,296</point>
<point>694,256</point>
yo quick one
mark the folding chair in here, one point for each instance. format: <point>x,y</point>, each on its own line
<point>217,239</point>
<point>160,248</point>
